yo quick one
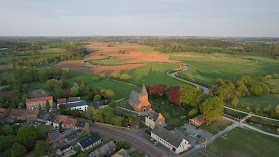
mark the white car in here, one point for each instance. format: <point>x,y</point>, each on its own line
<point>156,142</point>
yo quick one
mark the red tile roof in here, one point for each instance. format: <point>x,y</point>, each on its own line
<point>4,112</point>
<point>70,121</point>
<point>39,99</point>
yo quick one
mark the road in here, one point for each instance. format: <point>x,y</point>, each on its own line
<point>132,138</point>
<point>173,74</point>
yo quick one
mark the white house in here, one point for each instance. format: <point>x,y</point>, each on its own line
<point>175,143</point>
<point>77,105</point>
<point>153,118</point>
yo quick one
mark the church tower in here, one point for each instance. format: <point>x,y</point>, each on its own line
<point>143,95</point>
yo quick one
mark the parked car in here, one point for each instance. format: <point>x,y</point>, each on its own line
<point>196,134</point>
<point>152,139</point>
<point>156,142</point>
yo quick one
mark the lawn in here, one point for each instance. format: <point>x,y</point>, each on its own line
<point>154,73</point>
<point>124,104</point>
<point>263,100</point>
<point>205,68</point>
<point>106,61</point>
<point>216,126</point>
<point>244,143</point>
<point>273,83</point>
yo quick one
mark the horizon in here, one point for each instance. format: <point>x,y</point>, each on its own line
<point>145,18</point>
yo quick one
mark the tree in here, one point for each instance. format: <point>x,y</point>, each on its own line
<point>174,95</point>
<point>43,130</point>
<point>115,75</point>
<point>136,153</point>
<point>277,109</point>
<point>266,89</point>
<point>7,129</point>
<point>47,105</point>
<point>122,144</point>
<point>17,150</point>
<point>41,148</point>
<point>117,120</point>
<point>212,109</point>
<point>188,95</point>
<point>103,76</point>
<point>40,107</point>
<point>5,143</point>
<point>193,112</point>
<point>268,108</point>
<point>219,82</point>
<point>97,97</point>
<point>125,77</point>
<point>235,102</point>
<point>74,91</point>
<point>60,93</point>
<point>258,109</point>
<point>156,90</point>
<point>27,135</point>
<point>23,98</point>
<point>112,104</point>
<point>107,93</point>
<point>256,90</point>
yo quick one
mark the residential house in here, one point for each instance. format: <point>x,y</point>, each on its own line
<point>30,115</point>
<point>69,123</point>
<point>61,101</point>
<point>15,114</point>
<point>3,114</point>
<point>66,150</point>
<point>139,101</point>
<point>34,103</point>
<point>66,133</point>
<point>175,143</point>
<point>43,117</point>
<point>99,104</point>
<point>153,118</point>
<point>105,150</point>
<point>89,142</point>
<point>54,136</point>
<point>77,105</point>
<point>70,138</point>
<point>82,125</point>
<point>199,120</point>
<point>58,121</point>
<point>121,153</point>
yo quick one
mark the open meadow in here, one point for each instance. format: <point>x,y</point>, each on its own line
<point>244,143</point>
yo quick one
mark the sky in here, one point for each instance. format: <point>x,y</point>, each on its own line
<point>216,18</point>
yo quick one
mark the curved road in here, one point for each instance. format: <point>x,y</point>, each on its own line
<point>185,67</point>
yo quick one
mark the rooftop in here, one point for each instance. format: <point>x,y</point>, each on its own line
<point>64,147</point>
<point>152,115</point>
<point>39,99</point>
<point>62,101</point>
<point>105,149</point>
<point>80,123</point>
<point>199,119</point>
<point>134,97</point>
<point>143,90</point>
<point>76,103</point>
<point>54,135</point>
<point>90,140</point>
<point>71,138</point>
<point>167,135</point>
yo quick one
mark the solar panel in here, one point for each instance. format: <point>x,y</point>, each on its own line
<point>54,135</point>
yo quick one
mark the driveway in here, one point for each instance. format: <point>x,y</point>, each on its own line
<point>190,130</point>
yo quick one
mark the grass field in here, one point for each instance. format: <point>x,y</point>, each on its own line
<point>142,48</point>
<point>154,73</point>
<point>244,143</point>
<point>263,100</point>
<point>205,68</point>
<point>216,126</point>
<point>106,61</point>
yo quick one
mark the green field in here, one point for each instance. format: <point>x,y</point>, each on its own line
<point>263,100</point>
<point>154,73</point>
<point>205,68</point>
<point>106,61</point>
<point>244,143</point>
<point>142,48</point>
<point>216,126</point>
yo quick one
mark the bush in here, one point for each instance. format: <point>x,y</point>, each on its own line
<point>193,112</point>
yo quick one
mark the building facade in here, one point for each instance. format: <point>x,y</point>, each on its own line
<point>153,118</point>
<point>139,101</point>
<point>34,103</point>
<point>175,143</point>
<point>89,142</point>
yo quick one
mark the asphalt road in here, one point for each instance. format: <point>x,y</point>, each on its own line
<point>132,138</point>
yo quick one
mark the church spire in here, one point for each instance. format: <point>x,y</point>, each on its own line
<point>143,90</point>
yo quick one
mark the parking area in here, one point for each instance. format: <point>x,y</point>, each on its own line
<point>194,132</point>
<point>148,138</point>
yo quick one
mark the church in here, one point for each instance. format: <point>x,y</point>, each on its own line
<point>139,101</point>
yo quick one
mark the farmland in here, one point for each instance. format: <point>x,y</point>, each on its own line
<point>263,100</point>
<point>256,144</point>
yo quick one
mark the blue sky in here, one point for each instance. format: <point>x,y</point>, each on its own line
<point>237,18</point>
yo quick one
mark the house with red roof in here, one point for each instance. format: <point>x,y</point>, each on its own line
<point>69,123</point>
<point>34,103</point>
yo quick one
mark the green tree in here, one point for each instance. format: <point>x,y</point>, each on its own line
<point>277,109</point>
<point>47,105</point>
<point>2,100</point>
<point>125,77</point>
<point>266,89</point>
<point>112,104</point>
<point>258,109</point>
<point>193,112</point>
<point>117,120</point>
<point>7,129</point>
<point>17,150</point>
<point>23,98</point>
<point>268,108</point>
<point>188,95</point>
<point>41,148</point>
<point>43,130</point>
<point>40,107</point>
<point>60,93</point>
<point>74,91</point>
<point>97,97</point>
<point>256,90</point>
<point>115,75</point>
<point>235,102</point>
<point>219,82</point>
<point>27,135</point>
<point>136,153</point>
<point>212,109</point>
<point>5,143</point>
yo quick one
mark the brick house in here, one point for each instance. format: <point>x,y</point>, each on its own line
<point>89,142</point>
<point>58,121</point>
<point>61,101</point>
<point>69,123</point>
<point>139,101</point>
<point>4,113</point>
<point>199,120</point>
<point>33,104</point>
<point>54,136</point>
<point>15,114</point>
<point>82,125</point>
<point>30,115</point>
<point>153,118</point>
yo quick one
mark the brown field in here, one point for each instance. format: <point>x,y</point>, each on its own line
<point>135,58</point>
